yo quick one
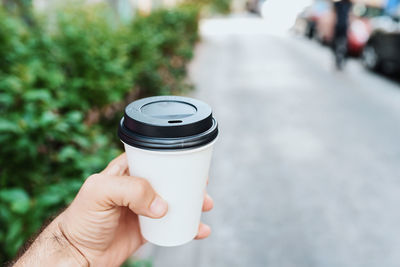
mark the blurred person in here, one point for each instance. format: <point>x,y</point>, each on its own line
<point>342,11</point>
<point>100,227</point>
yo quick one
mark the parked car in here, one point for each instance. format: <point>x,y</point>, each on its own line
<point>359,28</point>
<point>357,35</point>
<point>382,51</point>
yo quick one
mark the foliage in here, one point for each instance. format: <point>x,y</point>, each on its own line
<point>99,56</point>
<point>162,48</point>
<point>46,148</point>
<point>138,263</point>
<point>221,6</point>
<point>52,79</point>
<point>212,7</point>
<point>21,8</point>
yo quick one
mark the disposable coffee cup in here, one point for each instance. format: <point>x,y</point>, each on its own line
<point>169,142</point>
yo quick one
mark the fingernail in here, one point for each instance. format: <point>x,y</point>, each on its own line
<point>158,207</point>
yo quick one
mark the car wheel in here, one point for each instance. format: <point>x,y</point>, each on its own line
<point>370,57</point>
<point>310,33</point>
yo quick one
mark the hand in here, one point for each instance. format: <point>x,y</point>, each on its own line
<point>102,221</point>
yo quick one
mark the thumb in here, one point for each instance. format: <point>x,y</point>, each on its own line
<point>125,191</point>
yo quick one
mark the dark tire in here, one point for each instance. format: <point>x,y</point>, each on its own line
<point>340,62</point>
<point>310,32</point>
<point>340,50</point>
<point>370,58</point>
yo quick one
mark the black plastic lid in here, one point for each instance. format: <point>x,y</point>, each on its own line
<point>167,122</point>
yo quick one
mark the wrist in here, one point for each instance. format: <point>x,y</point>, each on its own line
<point>68,250</point>
<point>52,248</point>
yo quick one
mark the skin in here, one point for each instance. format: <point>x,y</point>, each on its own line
<point>100,227</point>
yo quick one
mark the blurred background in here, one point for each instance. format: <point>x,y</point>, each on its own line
<point>307,168</point>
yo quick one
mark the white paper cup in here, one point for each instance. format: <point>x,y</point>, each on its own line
<point>179,177</point>
<point>176,166</point>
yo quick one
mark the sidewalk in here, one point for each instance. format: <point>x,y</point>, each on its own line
<point>307,168</point>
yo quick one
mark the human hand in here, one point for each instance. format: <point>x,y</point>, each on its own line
<point>102,225</point>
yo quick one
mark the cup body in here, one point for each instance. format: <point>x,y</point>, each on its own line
<point>169,141</point>
<point>179,177</point>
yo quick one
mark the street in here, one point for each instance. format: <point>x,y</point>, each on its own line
<point>306,171</point>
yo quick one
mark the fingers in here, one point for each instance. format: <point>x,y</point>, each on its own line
<point>208,203</point>
<point>204,231</point>
<point>125,191</point>
<point>117,167</point>
<point>135,193</point>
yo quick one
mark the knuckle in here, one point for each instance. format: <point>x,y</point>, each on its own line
<point>141,188</point>
<point>112,162</point>
<point>92,181</point>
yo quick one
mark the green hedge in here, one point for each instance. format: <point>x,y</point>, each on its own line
<point>213,7</point>
<point>162,48</point>
<point>54,80</point>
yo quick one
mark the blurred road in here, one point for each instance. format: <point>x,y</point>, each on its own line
<point>307,168</point>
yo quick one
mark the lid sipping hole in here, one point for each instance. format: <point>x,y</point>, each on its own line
<point>175,121</point>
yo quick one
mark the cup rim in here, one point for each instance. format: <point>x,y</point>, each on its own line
<point>174,151</point>
<point>179,143</point>
<point>144,126</point>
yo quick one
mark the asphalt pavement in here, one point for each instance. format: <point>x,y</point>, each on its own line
<point>306,171</point>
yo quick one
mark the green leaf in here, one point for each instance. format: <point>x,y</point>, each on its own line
<point>6,99</point>
<point>41,94</point>
<point>47,118</point>
<point>5,213</point>
<point>52,195</point>
<point>18,199</point>
<point>10,195</point>
<point>8,126</point>
<point>14,230</point>
<point>50,199</point>
<point>74,116</point>
<point>14,233</point>
<point>66,153</point>
<point>20,206</point>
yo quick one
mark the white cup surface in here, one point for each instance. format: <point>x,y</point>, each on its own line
<point>179,177</point>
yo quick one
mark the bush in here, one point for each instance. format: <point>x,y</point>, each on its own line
<point>46,148</point>
<point>52,79</point>
<point>221,6</point>
<point>93,55</point>
<point>161,47</point>
<point>212,7</point>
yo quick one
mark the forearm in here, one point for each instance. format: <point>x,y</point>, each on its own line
<point>52,248</point>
